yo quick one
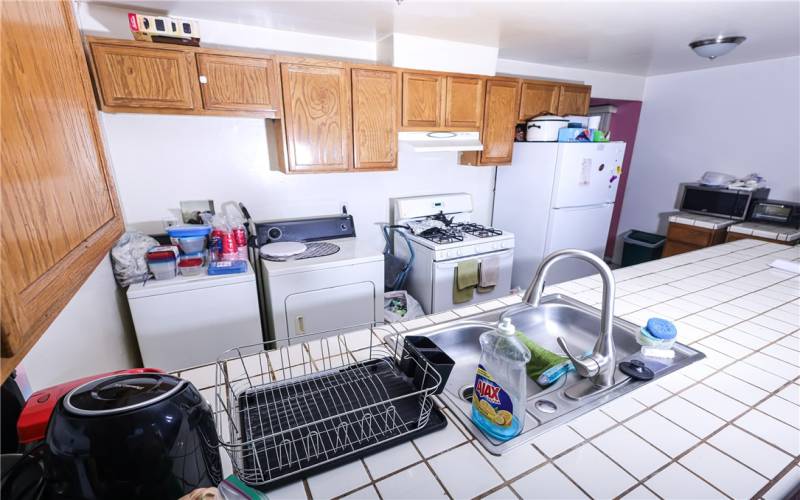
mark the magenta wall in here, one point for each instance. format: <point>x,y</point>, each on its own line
<point>623,128</point>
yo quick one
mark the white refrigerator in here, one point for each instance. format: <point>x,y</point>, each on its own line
<point>555,196</point>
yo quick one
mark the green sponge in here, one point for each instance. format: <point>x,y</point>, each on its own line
<point>541,358</point>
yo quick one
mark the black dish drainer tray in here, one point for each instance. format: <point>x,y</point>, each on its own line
<point>319,422</point>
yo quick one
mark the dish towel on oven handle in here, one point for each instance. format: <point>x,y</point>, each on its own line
<point>465,280</point>
<point>489,272</point>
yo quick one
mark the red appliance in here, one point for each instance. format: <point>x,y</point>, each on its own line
<point>32,423</point>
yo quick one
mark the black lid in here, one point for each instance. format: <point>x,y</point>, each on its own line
<point>119,393</point>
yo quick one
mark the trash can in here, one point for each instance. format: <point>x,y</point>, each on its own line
<point>640,246</point>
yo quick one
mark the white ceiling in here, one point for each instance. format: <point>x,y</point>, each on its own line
<point>642,37</point>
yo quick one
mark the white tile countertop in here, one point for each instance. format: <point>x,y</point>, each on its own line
<point>727,426</point>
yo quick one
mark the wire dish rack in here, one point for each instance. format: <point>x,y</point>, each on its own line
<point>285,411</point>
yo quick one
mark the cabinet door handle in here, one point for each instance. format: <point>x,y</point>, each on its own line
<point>300,325</point>
<point>203,79</point>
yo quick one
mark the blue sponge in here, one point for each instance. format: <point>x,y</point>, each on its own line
<point>661,328</point>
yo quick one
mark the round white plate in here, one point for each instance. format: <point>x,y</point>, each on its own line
<point>283,249</point>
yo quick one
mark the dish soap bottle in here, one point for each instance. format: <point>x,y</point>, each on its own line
<point>498,399</point>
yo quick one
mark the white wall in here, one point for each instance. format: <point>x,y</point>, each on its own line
<point>734,119</point>
<point>161,159</point>
<point>604,84</point>
<point>92,334</point>
<point>412,51</point>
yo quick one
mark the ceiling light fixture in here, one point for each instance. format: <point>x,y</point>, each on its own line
<point>712,48</point>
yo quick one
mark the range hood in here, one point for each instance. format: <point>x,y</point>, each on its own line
<point>427,142</point>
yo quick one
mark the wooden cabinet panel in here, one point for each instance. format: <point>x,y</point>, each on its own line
<point>423,100</point>
<point>675,247</point>
<point>692,235</point>
<point>538,97</point>
<point>60,211</point>
<point>238,83</point>
<point>499,121</point>
<point>464,102</point>
<point>317,117</point>
<point>136,77</point>
<point>376,96</point>
<point>574,100</point>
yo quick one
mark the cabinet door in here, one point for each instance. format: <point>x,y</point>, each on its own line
<point>464,102</point>
<point>538,97</point>
<point>574,100</point>
<point>499,121</point>
<point>423,100</point>
<point>233,83</point>
<point>317,113</point>
<point>60,211</point>
<point>376,96</point>
<point>136,77</point>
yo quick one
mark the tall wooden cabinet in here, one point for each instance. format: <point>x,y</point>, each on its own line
<point>60,209</point>
<point>499,120</point>
<point>317,117</point>
<point>376,114</point>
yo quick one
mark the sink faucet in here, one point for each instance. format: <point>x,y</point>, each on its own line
<point>601,364</point>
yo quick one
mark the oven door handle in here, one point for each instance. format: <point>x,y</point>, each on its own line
<point>452,263</point>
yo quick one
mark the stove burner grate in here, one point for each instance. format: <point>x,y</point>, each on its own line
<point>442,235</point>
<point>477,230</point>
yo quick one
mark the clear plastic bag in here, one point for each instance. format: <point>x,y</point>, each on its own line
<point>400,306</point>
<point>129,257</point>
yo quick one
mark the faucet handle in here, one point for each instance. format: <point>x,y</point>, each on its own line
<point>587,367</point>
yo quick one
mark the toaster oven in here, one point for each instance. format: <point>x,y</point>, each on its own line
<point>719,201</point>
<point>784,213</point>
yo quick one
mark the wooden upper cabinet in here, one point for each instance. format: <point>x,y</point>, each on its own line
<point>235,83</point>
<point>423,100</point>
<point>376,113</point>
<point>464,102</point>
<point>134,77</point>
<point>317,117</point>
<point>60,210</point>
<point>538,97</point>
<point>574,100</point>
<point>499,121</point>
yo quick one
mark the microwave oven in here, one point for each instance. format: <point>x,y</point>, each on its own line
<point>783,213</point>
<point>720,202</point>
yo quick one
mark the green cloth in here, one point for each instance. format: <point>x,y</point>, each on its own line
<point>541,358</point>
<point>465,280</point>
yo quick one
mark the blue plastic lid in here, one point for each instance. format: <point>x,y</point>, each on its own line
<point>184,230</point>
<point>661,328</point>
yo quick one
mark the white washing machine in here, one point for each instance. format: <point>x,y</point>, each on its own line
<point>191,320</point>
<point>333,286</point>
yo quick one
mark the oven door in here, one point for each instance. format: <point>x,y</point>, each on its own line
<point>444,275</point>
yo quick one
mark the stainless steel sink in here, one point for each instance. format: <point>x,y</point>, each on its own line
<point>547,408</point>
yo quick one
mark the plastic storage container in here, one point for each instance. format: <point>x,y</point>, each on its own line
<point>192,265</point>
<point>498,399</point>
<point>190,244</point>
<point>640,246</point>
<point>163,262</point>
<point>163,269</point>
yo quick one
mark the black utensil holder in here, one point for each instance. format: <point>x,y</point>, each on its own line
<point>424,351</point>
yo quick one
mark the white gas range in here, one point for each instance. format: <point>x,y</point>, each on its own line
<point>443,239</point>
